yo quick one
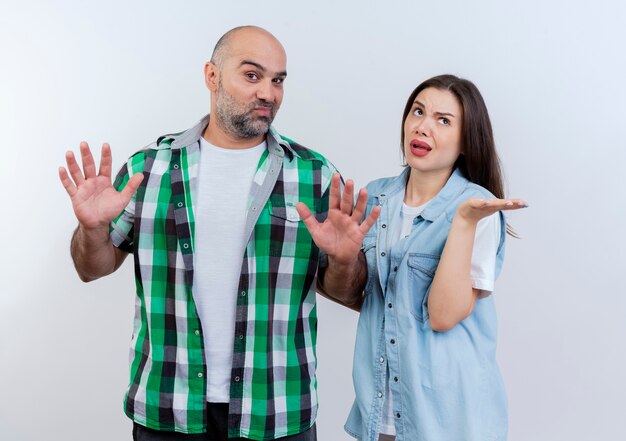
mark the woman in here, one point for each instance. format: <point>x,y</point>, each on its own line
<point>432,245</point>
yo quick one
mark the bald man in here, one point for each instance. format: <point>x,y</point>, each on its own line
<point>223,344</point>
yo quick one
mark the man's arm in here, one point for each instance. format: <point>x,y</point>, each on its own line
<point>96,203</point>
<point>94,254</point>
<point>340,237</point>
<point>344,283</point>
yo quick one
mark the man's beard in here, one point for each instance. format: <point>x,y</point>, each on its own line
<point>241,124</point>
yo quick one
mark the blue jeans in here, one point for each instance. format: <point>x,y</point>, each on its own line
<point>217,430</point>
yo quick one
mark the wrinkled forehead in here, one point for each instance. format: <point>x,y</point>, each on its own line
<point>438,100</point>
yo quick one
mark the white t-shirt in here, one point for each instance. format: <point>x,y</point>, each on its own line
<point>483,272</point>
<point>224,182</point>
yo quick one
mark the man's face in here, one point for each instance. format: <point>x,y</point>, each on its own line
<point>250,86</point>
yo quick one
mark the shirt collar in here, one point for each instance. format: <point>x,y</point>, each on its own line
<point>275,143</point>
<point>454,186</point>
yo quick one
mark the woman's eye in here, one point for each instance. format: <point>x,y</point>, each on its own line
<point>444,121</point>
<point>418,112</point>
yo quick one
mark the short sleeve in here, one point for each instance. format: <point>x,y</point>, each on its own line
<point>324,205</point>
<point>486,242</point>
<point>121,229</point>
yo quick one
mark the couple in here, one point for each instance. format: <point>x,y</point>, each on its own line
<point>227,222</point>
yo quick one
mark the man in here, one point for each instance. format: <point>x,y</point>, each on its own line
<point>225,320</point>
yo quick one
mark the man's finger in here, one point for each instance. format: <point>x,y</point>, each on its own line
<point>370,220</point>
<point>347,198</point>
<point>67,182</point>
<point>74,169</point>
<point>132,185</point>
<point>361,204</point>
<point>307,217</point>
<point>89,166</point>
<point>334,201</point>
<point>105,161</point>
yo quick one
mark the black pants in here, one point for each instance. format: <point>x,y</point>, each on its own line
<point>217,430</point>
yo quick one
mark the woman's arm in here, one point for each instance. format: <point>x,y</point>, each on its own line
<point>452,296</point>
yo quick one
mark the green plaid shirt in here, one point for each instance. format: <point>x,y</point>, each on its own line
<point>273,385</point>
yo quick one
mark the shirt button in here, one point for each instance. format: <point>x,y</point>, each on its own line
<point>390,305</point>
<point>382,195</point>
<point>384,225</point>
<point>393,342</point>
<point>398,415</point>
<point>180,204</point>
<point>395,379</point>
<point>197,332</point>
<point>380,394</point>
<point>175,166</point>
<point>382,359</point>
<point>383,254</point>
<point>237,379</point>
<point>199,374</point>
<point>395,268</point>
<point>185,245</point>
<point>241,337</point>
<point>243,293</point>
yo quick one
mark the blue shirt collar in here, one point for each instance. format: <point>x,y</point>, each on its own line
<point>454,186</point>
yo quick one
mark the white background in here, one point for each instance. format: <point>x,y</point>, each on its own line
<point>552,74</point>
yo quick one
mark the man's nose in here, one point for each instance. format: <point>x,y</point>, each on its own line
<point>266,92</point>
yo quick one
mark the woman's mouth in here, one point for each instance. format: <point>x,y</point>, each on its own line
<point>419,148</point>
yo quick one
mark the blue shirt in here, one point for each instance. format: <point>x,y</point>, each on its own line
<point>445,385</point>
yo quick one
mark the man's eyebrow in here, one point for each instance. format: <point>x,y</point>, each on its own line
<point>261,68</point>
<point>436,113</point>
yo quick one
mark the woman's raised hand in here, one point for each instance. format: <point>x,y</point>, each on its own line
<point>475,209</point>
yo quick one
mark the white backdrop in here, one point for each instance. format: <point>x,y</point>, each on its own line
<point>552,74</point>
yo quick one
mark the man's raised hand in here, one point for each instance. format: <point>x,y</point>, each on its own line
<point>94,199</point>
<point>341,234</point>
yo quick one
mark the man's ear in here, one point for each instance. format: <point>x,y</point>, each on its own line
<point>211,76</point>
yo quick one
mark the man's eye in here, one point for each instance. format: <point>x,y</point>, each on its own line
<point>278,80</point>
<point>252,76</point>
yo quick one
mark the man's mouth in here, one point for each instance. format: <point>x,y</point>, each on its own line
<point>265,111</point>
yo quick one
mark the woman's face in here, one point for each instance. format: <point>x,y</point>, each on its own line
<point>432,131</point>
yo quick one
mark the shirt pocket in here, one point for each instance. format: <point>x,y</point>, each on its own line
<point>422,269</point>
<point>288,235</point>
